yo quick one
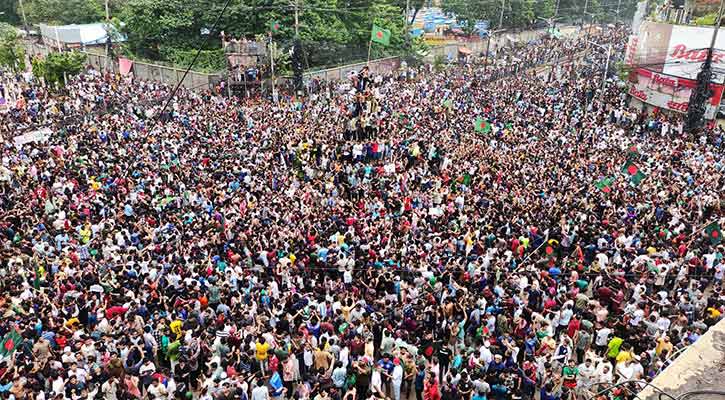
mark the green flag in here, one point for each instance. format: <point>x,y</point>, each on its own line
<point>632,152</point>
<point>481,125</point>
<point>11,341</point>
<point>380,35</point>
<point>605,184</point>
<point>274,26</point>
<point>632,170</point>
<point>448,103</point>
<point>713,232</point>
<point>36,280</point>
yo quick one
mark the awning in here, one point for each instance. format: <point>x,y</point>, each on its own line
<point>464,51</point>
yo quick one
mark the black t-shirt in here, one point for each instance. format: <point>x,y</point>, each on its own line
<point>444,355</point>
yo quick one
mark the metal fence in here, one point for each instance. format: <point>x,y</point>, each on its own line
<point>202,81</point>
<point>161,73</point>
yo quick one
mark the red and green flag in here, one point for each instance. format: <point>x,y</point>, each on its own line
<point>713,232</point>
<point>632,152</point>
<point>605,184</point>
<point>274,26</point>
<point>632,170</point>
<point>380,35</point>
<point>11,341</point>
<point>481,125</point>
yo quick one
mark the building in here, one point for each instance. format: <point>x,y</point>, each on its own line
<point>664,60</point>
<point>78,36</point>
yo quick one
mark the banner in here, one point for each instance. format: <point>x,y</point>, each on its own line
<point>124,65</point>
<point>670,92</point>
<point>41,135</point>
<point>687,50</point>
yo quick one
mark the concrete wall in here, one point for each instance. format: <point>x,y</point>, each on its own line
<point>141,70</point>
<point>700,367</point>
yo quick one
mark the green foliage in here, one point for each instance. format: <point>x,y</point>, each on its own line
<point>12,52</point>
<point>63,12</point>
<point>468,13</point>
<point>208,61</point>
<point>706,20</point>
<point>56,65</point>
<point>439,63</point>
<point>545,9</point>
<point>331,31</point>
<point>9,12</point>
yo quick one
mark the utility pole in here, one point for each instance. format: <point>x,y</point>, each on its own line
<point>407,12</point>
<point>500,19</point>
<point>702,93</point>
<point>271,66</point>
<point>556,13</point>
<point>297,18</point>
<point>25,20</point>
<point>108,37</point>
<point>586,5</point>
<point>619,3</point>
<point>606,70</point>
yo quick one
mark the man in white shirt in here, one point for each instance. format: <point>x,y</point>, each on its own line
<point>157,390</point>
<point>260,392</point>
<point>397,378</point>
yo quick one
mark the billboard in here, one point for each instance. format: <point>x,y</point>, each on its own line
<point>677,50</point>
<point>671,92</point>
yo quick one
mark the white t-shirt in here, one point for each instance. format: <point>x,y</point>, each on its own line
<point>603,336</point>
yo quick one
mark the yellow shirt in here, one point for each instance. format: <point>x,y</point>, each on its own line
<point>262,351</point>
<point>662,345</point>
<point>176,328</point>
<point>624,356</point>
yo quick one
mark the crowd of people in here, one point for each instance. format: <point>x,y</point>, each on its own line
<point>438,237</point>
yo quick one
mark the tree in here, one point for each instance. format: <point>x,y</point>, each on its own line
<point>545,9</point>
<point>9,12</point>
<point>57,66</point>
<point>12,53</point>
<point>468,13</point>
<point>63,12</point>
<point>519,13</point>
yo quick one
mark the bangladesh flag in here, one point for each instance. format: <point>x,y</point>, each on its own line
<point>380,35</point>
<point>11,341</point>
<point>605,184</point>
<point>274,26</point>
<point>632,152</point>
<point>713,232</point>
<point>481,125</point>
<point>635,175</point>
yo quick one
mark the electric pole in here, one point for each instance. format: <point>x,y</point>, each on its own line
<point>297,18</point>
<point>500,19</point>
<point>407,12</point>
<point>586,5</point>
<point>297,55</point>
<point>25,20</point>
<point>619,3</point>
<point>701,94</point>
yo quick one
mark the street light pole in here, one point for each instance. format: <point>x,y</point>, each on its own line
<point>606,70</point>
